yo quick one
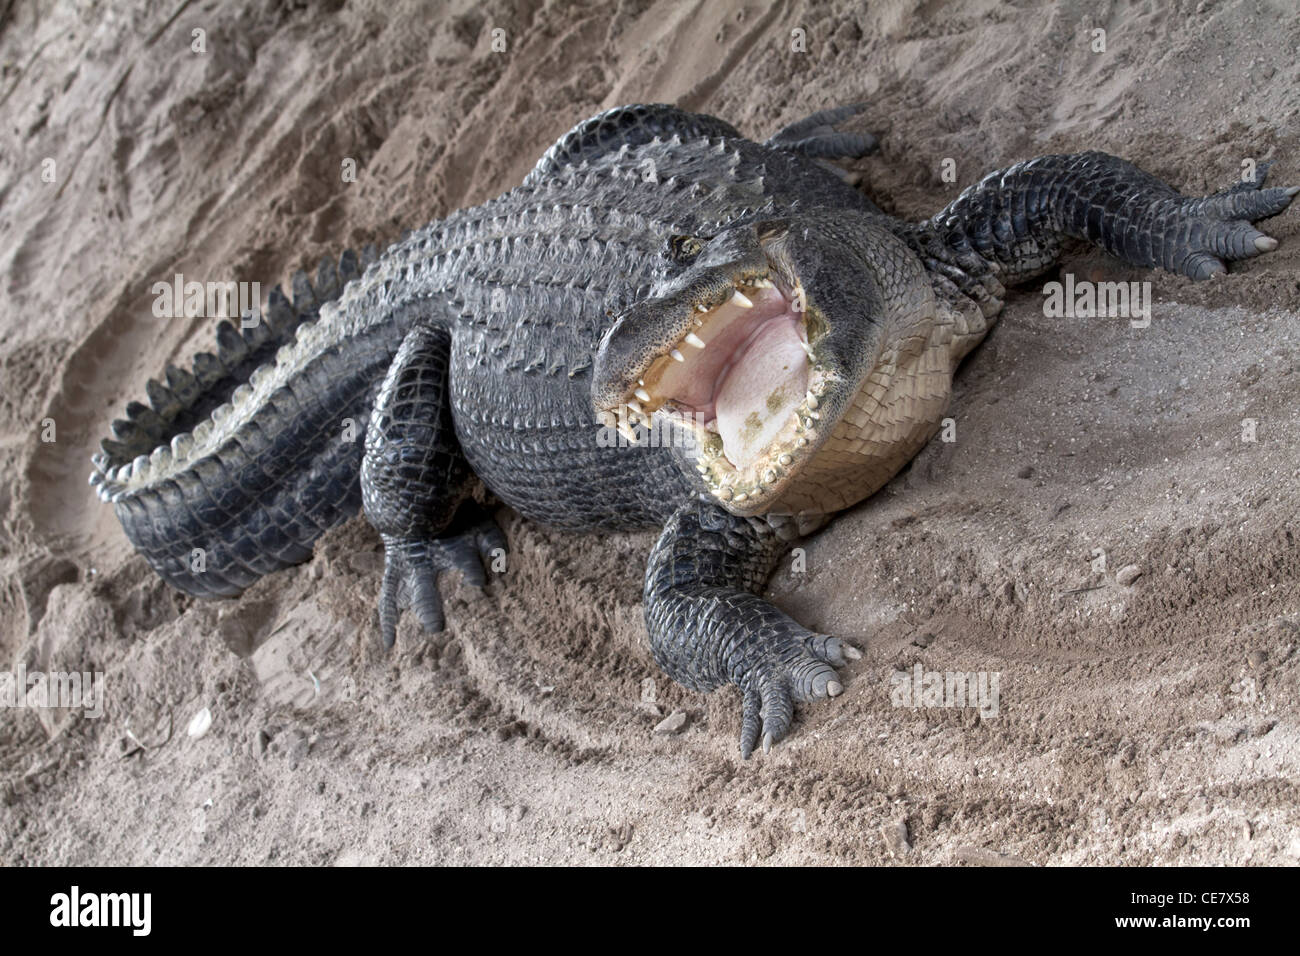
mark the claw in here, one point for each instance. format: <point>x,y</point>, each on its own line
<point>426,602</point>
<point>411,569</point>
<point>1202,265</point>
<point>834,688</point>
<point>750,723</point>
<point>388,605</point>
<point>1265,243</point>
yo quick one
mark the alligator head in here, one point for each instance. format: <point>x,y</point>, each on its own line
<point>765,349</point>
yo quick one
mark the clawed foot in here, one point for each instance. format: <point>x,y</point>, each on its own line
<point>816,137</point>
<point>412,565</point>
<point>795,669</point>
<point>1202,235</point>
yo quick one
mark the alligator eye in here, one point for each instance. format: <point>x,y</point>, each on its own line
<point>685,248</point>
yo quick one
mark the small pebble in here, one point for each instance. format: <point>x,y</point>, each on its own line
<point>895,835</point>
<point>200,723</point>
<point>1026,472</point>
<point>1257,658</point>
<point>674,723</point>
<point>1128,574</point>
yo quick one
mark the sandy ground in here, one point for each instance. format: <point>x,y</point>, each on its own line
<point>1149,722</point>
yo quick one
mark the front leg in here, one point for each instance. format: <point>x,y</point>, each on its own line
<point>708,627</point>
<point>1019,217</point>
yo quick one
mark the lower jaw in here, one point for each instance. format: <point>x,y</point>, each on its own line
<point>757,485</point>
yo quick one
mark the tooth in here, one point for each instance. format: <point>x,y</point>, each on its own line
<point>740,299</point>
<point>741,497</point>
<point>627,431</point>
<point>642,394</point>
<point>694,340</point>
<point>762,284</point>
<point>635,406</point>
<point>725,493</point>
<point>802,443</point>
<point>260,375</point>
<point>181,445</point>
<point>201,431</point>
<point>786,459</point>
<point>810,399</point>
<point>769,477</point>
<point>96,478</point>
<point>241,394</point>
<point>712,426</point>
<point>140,468</point>
<point>701,307</point>
<point>221,413</point>
<point>807,349</point>
<point>702,469</point>
<point>677,356</point>
<point>161,459</point>
<point>121,474</point>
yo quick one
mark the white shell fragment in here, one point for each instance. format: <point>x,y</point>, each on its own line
<point>199,723</point>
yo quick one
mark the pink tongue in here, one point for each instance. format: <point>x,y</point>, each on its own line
<point>760,391</point>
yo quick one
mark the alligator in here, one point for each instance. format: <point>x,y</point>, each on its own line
<point>667,325</point>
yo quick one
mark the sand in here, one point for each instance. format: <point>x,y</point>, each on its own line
<point>1153,721</point>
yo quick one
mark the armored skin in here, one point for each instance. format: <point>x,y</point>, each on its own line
<point>666,325</point>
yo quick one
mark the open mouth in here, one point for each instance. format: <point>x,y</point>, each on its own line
<point>744,381</point>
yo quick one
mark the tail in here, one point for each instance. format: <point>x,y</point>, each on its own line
<point>237,466</point>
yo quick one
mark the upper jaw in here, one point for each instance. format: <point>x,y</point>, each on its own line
<point>708,382</point>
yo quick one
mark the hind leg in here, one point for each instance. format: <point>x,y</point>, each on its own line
<point>816,137</point>
<point>415,483</point>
